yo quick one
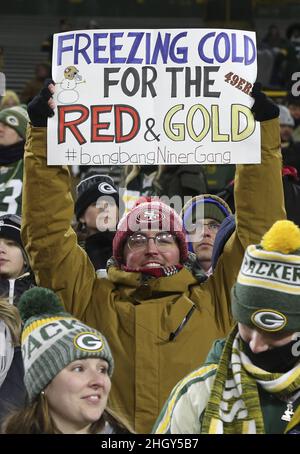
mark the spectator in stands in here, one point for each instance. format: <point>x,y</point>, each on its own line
<point>97,213</point>
<point>1,58</point>
<point>12,389</point>
<point>32,88</point>
<point>13,123</point>
<point>289,148</point>
<point>112,171</point>
<point>218,176</point>
<point>163,181</point>
<point>279,47</point>
<point>67,381</point>
<point>157,315</point>
<point>273,38</point>
<point>250,381</point>
<point>202,216</point>
<point>291,165</point>
<point>293,104</point>
<point>10,99</point>
<point>290,171</point>
<point>92,24</point>
<point>47,44</point>
<point>287,124</point>
<point>15,272</point>
<point>293,35</point>
<point>293,59</point>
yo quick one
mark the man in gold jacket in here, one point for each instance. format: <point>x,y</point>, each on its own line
<point>145,307</point>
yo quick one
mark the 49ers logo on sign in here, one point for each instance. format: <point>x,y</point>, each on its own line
<point>150,216</point>
<point>269,320</point>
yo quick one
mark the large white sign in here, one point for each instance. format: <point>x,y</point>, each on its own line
<point>154,97</point>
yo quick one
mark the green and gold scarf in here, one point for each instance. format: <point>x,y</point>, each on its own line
<point>234,406</point>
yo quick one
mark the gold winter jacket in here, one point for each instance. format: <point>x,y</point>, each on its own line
<point>137,317</point>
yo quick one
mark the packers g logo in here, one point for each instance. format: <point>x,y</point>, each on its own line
<point>269,320</point>
<point>106,188</point>
<point>12,120</point>
<point>88,342</point>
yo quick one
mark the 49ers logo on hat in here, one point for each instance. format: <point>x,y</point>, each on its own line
<point>88,342</point>
<point>106,188</point>
<point>269,320</point>
<point>153,215</point>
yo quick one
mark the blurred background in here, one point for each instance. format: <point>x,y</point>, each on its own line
<point>26,28</point>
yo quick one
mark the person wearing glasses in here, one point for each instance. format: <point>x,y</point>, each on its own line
<point>202,217</point>
<point>159,319</point>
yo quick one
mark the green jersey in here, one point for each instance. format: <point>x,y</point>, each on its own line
<point>11,181</point>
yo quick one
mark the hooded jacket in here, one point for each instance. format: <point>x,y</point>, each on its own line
<point>136,315</point>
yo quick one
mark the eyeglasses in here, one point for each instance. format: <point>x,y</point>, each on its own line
<point>163,240</point>
<point>213,227</point>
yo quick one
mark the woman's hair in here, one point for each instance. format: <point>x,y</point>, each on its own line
<point>119,426</point>
<point>11,317</point>
<point>35,418</point>
<point>9,94</point>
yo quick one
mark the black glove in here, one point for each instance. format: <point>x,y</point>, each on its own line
<point>38,109</point>
<point>263,108</point>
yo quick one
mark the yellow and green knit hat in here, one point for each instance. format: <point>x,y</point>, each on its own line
<point>267,292</point>
<point>52,339</point>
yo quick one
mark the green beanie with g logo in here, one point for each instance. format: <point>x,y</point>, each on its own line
<point>267,292</point>
<point>52,339</point>
<point>16,118</point>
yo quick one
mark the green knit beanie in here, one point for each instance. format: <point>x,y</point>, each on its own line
<point>16,118</point>
<point>267,292</point>
<point>52,339</point>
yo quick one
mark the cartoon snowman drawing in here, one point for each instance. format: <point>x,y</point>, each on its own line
<point>68,93</point>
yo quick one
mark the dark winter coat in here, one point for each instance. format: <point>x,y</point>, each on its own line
<point>12,391</point>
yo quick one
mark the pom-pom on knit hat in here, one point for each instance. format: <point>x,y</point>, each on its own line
<point>149,214</point>
<point>16,118</point>
<point>52,339</point>
<point>267,292</point>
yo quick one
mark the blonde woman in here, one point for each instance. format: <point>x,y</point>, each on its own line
<point>12,389</point>
<point>68,368</point>
<point>10,99</point>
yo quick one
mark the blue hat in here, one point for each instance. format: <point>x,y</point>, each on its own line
<point>213,207</point>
